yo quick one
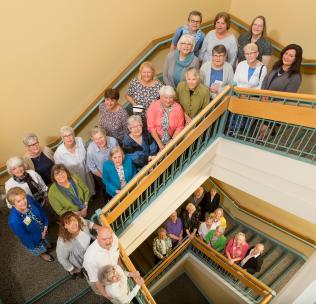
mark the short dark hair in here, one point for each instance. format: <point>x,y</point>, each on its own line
<point>195,13</point>
<point>295,67</point>
<point>219,49</point>
<point>223,15</point>
<point>57,169</point>
<point>112,94</point>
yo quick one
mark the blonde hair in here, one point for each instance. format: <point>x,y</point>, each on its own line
<point>190,206</point>
<point>115,150</point>
<point>146,64</point>
<point>13,192</point>
<point>240,235</point>
<point>252,47</point>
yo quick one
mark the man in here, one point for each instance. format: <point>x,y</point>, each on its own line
<point>103,251</point>
<point>253,260</point>
<point>98,152</point>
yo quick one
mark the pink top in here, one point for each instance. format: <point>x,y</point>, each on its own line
<point>155,115</point>
<point>234,251</point>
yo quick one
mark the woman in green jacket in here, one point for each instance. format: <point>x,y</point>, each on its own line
<point>68,192</point>
<point>216,239</point>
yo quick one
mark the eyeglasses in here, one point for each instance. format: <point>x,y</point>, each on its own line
<point>33,145</point>
<point>186,43</point>
<point>195,21</point>
<point>218,55</point>
<point>251,53</point>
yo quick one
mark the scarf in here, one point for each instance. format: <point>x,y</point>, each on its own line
<point>180,66</point>
<point>36,189</point>
<point>74,197</point>
<point>165,124</point>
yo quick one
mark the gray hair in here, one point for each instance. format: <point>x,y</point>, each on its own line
<point>194,71</point>
<point>29,139</point>
<point>66,129</point>
<point>115,150</point>
<point>97,130</point>
<point>220,229</point>
<point>105,273</point>
<point>187,38</point>
<point>167,91</point>
<point>14,162</point>
<point>132,119</point>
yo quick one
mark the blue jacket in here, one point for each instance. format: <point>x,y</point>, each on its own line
<point>30,235</point>
<point>110,176</point>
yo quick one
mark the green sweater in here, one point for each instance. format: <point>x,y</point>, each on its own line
<point>220,244</point>
<point>193,104</point>
<point>60,203</point>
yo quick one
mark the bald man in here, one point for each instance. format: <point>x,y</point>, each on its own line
<point>103,251</point>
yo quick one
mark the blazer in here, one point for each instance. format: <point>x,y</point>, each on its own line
<point>30,235</point>
<point>220,244</point>
<point>208,205</point>
<point>111,178</point>
<point>253,265</point>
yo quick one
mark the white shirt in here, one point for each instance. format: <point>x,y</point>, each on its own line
<point>119,291</point>
<point>97,257</point>
<point>10,183</point>
<point>203,230</point>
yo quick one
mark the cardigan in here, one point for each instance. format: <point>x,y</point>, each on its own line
<point>169,66</point>
<point>30,235</point>
<point>285,82</point>
<point>220,244</point>
<point>255,81</point>
<point>229,249</point>
<point>60,203</point>
<point>140,153</point>
<point>10,183</point>
<point>228,75</point>
<point>70,253</point>
<point>111,178</point>
<point>157,247</point>
<point>195,103</point>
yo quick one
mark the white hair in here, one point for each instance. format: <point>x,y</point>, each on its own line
<point>66,129</point>
<point>132,119</point>
<point>187,38</point>
<point>14,162</point>
<point>167,91</point>
<point>97,130</point>
<point>29,139</point>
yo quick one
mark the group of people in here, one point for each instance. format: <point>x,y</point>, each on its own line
<point>196,70</point>
<point>203,218</point>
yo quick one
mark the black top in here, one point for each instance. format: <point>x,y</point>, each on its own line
<point>208,205</point>
<point>190,223</point>
<point>43,165</point>
<point>253,265</point>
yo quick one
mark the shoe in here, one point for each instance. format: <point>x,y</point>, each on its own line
<point>47,257</point>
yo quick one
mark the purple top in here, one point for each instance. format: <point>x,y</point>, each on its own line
<point>174,228</point>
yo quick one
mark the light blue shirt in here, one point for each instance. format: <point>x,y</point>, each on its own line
<point>96,157</point>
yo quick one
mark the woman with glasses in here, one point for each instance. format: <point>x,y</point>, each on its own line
<point>217,73</point>
<point>179,60</point>
<point>138,144</point>
<point>220,35</point>
<point>192,28</point>
<point>256,34</point>
<point>37,158</point>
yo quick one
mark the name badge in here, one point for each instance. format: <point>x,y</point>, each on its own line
<point>27,221</point>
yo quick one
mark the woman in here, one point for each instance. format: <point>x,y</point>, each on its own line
<point>162,245</point>
<point>285,76</point>
<point>218,219</point>
<point>144,89</point>
<point>174,228</point>
<point>179,60</point>
<point>29,223</point>
<point>68,192</point>
<point>193,29</point>
<point>138,144</point>
<point>216,239</point>
<point>72,154</point>
<point>256,34</point>
<point>73,240</point>
<point>38,159</point>
<point>220,35</point>
<point>236,248</point>
<point>112,117</point>
<point>190,221</point>
<point>205,227</point>
<point>250,72</point>
<point>117,171</point>
<point>192,95</point>
<point>165,117</point>
<point>116,285</point>
<point>28,180</point>
<point>217,73</point>
<point>253,259</point>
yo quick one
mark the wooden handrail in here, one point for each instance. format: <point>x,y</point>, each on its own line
<point>166,262</point>
<point>242,275</point>
<point>265,219</point>
<point>128,263</point>
<point>169,149</point>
